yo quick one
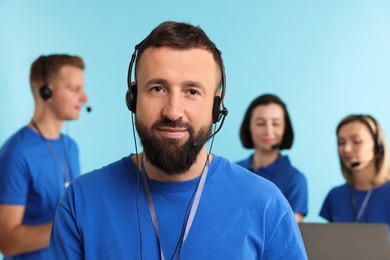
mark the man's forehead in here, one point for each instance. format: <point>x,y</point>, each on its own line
<point>187,58</point>
<point>161,52</point>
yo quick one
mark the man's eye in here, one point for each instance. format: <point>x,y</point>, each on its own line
<point>157,89</point>
<point>193,92</point>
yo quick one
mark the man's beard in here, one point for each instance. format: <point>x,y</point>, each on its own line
<point>167,154</point>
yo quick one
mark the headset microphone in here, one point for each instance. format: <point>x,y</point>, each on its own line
<point>89,109</point>
<point>275,146</point>
<point>357,163</point>
<point>224,113</point>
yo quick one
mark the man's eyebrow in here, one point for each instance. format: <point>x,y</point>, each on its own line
<point>188,83</point>
<point>192,83</point>
<point>157,81</point>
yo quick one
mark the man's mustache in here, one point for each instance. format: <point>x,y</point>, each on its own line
<point>173,124</point>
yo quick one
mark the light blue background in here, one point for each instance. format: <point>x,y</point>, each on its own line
<point>325,59</point>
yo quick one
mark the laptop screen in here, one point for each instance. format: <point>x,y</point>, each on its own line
<point>346,241</point>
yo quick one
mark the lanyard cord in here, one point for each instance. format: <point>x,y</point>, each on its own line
<point>64,168</point>
<point>364,204</point>
<point>191,216</point>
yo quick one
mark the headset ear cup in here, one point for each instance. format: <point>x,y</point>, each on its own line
<point>217,111</point>
<point>131,98</point>
<point>45,92</point>
<point>379,148</point>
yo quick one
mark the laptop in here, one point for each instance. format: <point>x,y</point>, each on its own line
<point>346,241</point>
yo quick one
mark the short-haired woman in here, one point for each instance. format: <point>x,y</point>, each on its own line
<point>267,129</point>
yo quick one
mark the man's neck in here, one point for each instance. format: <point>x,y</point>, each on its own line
<point>156,174</point>
<point>48,128</point>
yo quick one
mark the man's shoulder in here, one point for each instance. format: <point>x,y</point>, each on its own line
<point>18,144</point>
<point>17,138</point>
<point>254,192</point>
<point>69,139</point>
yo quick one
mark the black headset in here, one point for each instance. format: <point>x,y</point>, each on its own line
<point>378,146</point>
<point>219,110</point>
<point>44,91</point>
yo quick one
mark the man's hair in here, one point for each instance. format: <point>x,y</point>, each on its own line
<point>245,134</point>
<point>45,68</point>
<point>179,36</point>
<point>380,147</point>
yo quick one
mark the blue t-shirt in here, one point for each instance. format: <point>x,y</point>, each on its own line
<point>288,179</point>
<point>339,207</point>
<point>97,217</point>
<point>30,175</point>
